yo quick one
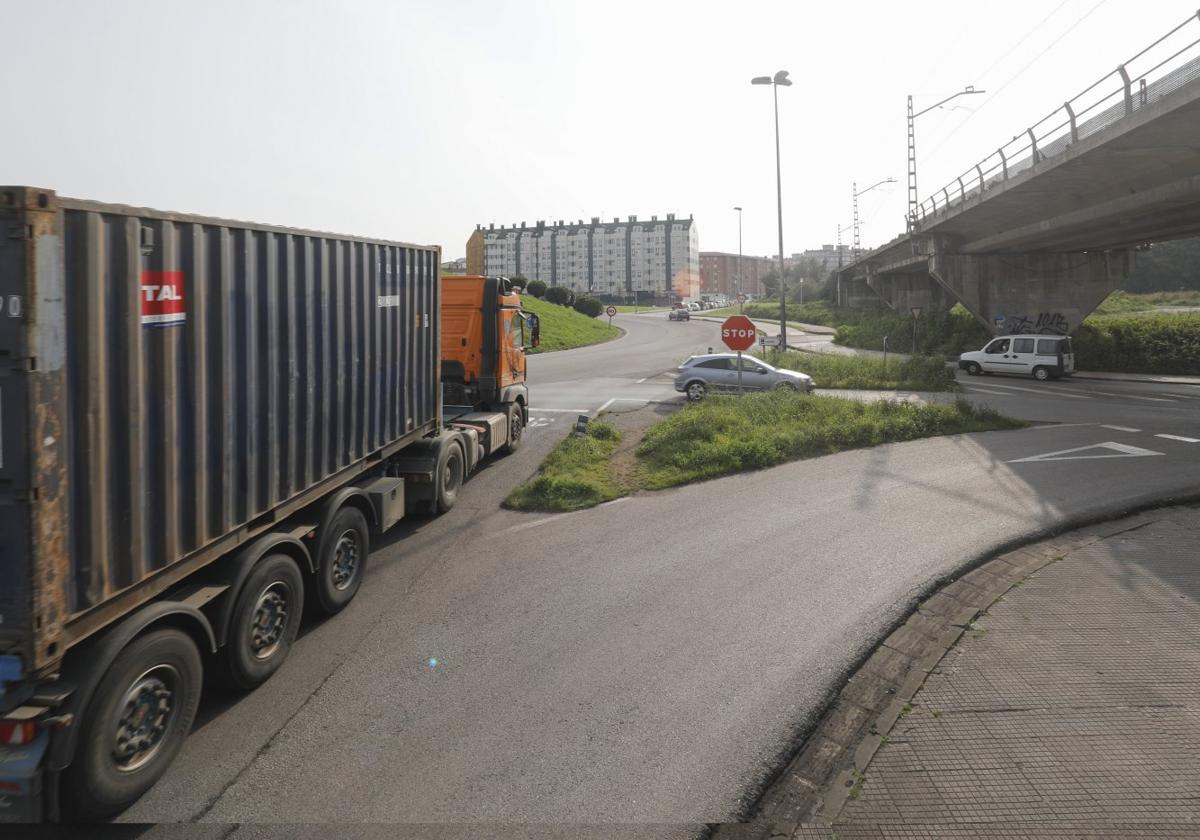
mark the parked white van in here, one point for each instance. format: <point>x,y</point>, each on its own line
<point>1041,356</point>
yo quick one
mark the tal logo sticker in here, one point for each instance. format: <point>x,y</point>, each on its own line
<point>162,299</point>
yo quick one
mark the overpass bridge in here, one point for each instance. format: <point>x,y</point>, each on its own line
<point>1036,235</point>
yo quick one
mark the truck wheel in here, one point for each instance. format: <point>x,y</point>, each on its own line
<point>142,712</point>
<point>342,560</point>
<point>516,427</point>
<point>265,621</point>
<point>449,477</point>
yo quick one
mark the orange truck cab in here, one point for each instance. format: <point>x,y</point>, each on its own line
<point>484,336</point>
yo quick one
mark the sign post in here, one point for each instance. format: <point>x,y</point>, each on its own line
<point>741,302</point>
<point>738,332</point>
<point>916,313</point>
<point>610,312</point>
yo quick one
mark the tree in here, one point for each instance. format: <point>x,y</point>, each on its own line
<point>588,305</point>
<point>559,294</point>
<point>1167,267</point>
<point>537,288</point>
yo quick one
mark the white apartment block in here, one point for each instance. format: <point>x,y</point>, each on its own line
<point>612,259</point>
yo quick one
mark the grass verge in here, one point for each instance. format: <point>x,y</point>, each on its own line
<point>920,373</point>
<point>564,328</point>
<point>725,435</point>
<point>576,474</point>
<point>641,309</point>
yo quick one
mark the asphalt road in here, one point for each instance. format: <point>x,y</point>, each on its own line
<point>651,661</point>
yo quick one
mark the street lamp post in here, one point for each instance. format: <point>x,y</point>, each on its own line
<point>780,79</point>
<point>969,90</point>
<point>741,306</point>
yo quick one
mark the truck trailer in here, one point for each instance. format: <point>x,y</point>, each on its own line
<point>203,423</point>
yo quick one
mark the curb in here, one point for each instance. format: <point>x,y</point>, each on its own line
<point>829,765</point>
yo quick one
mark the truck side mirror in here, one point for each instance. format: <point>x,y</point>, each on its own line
<point>535,330</point>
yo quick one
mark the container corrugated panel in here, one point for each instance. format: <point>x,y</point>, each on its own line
<point>213,376</point>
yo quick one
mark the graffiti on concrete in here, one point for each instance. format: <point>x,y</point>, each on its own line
<point>1046,323</point>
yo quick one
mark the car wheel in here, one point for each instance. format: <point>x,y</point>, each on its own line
<point>696,391</point>
<point>1041,374</point>
<point>784,386</point>
<point>973,369</point>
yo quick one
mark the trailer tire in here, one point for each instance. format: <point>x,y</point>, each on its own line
<point>264,621</point>
<point>515,413</point>
<point>341,560</point>
<point>144,707</point>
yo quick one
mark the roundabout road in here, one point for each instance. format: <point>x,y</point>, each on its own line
<point>648,661</point>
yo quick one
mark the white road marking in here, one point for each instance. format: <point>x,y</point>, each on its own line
<point>1117,450</point>
<point>1180,437</point>
<point>1182,396</point>
<point>559,410</point>
<point>644,378</point>
<point>1130,396</point>
<point>1119,428</point>
<point>1041,391</point>
<point>600,410</point>
<point>986,390</point>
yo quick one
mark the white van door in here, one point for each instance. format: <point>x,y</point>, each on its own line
<point>995,356</point>
<point>1022,355</point>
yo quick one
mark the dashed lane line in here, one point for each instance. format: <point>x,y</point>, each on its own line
<point>1040,391</point>
<point>1119,428</point>
<point>1180,437</point>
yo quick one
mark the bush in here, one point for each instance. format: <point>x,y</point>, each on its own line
<point>1166,343</point>
<point>588,306</point>
<point>537,288</point>
<point>559,294</point>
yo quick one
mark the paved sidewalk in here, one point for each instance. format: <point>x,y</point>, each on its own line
<point>1070,708</point>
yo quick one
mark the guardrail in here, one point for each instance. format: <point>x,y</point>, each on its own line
<point>1080,116</point>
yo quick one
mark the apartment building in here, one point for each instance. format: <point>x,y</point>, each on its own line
<point>656,258</point>
<point>719,273</point>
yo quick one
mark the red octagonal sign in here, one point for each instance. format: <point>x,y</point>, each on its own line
<point>738,333</point>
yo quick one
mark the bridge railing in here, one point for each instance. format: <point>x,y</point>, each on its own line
<point>1171,62</point>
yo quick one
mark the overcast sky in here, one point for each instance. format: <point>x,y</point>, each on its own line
<point>416,120</point>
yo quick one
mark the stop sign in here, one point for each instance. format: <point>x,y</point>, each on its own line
<point>738,333</point>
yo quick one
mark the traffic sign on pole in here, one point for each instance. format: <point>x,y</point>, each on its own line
<point>738,333</point>
<point>611,311</point>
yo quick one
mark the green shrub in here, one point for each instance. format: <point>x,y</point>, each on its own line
<point>576,474</point>
<point>587,305</point>
<point>1159,343</point>
<point>537,288</point>
<point>919,373</point>
<point>559,294</point>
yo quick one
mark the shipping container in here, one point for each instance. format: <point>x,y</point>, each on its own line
<point>203,424</point>
<point>174,385</point>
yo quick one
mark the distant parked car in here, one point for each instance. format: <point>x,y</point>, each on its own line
<point>679,315</point>
<point>719,372</point>
<point>1042,356</point>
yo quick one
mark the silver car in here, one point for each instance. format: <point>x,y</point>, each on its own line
<point>719,372</point>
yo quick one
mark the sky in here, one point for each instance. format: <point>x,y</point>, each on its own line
<point>414,121</point>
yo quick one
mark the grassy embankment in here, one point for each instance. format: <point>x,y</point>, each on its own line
<point>564,328</point>
<point>920,373</point>
<point>725,435</point>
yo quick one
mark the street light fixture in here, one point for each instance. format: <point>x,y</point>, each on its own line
<point>780,79</point>
<point>856,192</point>
<point>969,90</point>
<point>739,277</point>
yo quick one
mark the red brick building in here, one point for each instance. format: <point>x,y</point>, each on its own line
<point>719,273</point>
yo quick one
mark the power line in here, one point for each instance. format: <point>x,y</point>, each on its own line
<point>1018,74</point>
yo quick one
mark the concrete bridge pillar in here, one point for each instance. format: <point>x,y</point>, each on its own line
<point>1037,293</point>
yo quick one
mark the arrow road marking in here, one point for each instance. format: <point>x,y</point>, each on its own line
<point>1116,450</point>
